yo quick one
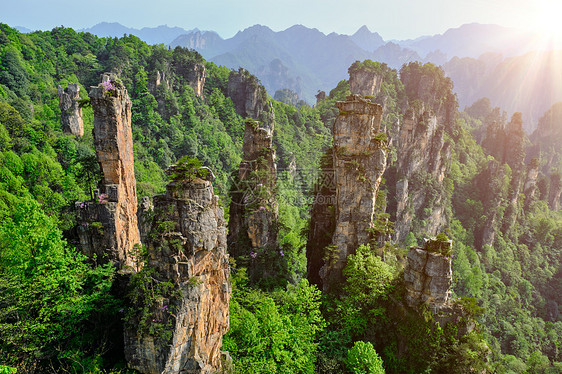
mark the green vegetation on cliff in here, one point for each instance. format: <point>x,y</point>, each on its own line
<point>56,308</point>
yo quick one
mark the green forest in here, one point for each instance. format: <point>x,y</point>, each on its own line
<point>60,311</point>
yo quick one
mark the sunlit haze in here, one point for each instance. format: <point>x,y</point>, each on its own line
<point>398,19</point>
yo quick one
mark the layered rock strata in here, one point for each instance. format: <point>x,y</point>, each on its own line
<point>108,225</point>
<point>187,248</point>
<point>428,275</point>
<point>253,225</point>
<point>424,157</point>
<point>250,98</point>
<point>71,113</point>
<point>196,78</point>
<point>359,161</point>
<point>491,180</point>
<point>323,220</point>
<point>364,82</point>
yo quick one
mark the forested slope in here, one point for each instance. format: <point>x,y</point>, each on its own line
<point>59,311</point>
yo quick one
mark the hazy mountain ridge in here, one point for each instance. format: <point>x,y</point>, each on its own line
<point>309,59</point>
<point>530,83</point>
<point>152,35</point>
<point>473,40</point>
<point>483,60</point>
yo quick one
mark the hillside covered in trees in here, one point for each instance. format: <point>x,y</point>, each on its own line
<point>298,302</point>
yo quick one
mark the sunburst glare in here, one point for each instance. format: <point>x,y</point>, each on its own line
<point>547,23</point>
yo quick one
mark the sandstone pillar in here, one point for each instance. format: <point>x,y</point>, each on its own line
<point>71,113</point>
<point>359,160</point>
<point>253,225</point>
<point>187,248</point>
<point>428,275</point>
<point>109,227</point>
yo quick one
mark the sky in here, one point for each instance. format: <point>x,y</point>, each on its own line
<point>392,19</point>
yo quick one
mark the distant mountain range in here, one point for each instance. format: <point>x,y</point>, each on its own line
<point>152,35</point>
<point>482,60</point>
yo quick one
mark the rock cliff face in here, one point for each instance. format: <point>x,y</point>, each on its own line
<point>250,98</point>
<point>531,178</point>
<point>253,224</point>
<point>108,226</point>
<point>423,155</point>
<point>359,160</point>
<point>428,275</point>
<point>71,113</point>
<point>555,192</point>
<point>364,82</point>
<point>196,77</point>
<point>187,247</point>
<point>492,182</point>
<point>191,73</point>
<point>323,220</point>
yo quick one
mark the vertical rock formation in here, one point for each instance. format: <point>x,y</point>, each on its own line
<point>423,154</point>
<point>250,98</point>
<point>506,142</point>
<point>428,275</point>
<point>144,218</point>
<point>323,219</point>
<point>196,78</point>
<point>254,211</point>
<point>555,191</point>
<point>159,79</point>
<point>514,156</point>
<point>492,182</point>
<point>546,140</point>
<point>364,81</point>
<point>531,178</point>
<point>187,249</point>
<point>321,95</point>
<point>71,113</point>
<point>359,160</point>
<point>109,227</point>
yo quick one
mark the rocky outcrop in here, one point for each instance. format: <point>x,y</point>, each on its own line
<point>187,250</point>
<point>321,95</point>
<point>159,79</point>
<point>428,275</point>
<point>555,191</point>
<point>145,214</point>
<point>423,153</point>
<point>71,113</point>
<point>323,219</point>
<point>364,82</point>
<point>491,181</point>
<point>108,225</point>
<point>359,160</point>
<point>253,224</point>
<point>196,78</point>
<point>531,178</point>
<point>250,98</point>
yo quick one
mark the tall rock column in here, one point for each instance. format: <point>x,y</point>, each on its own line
<point>187,251</point>
<point>555,191</point>
<point>253,225</point>
<point>71,113</point>
<point>364,82</point>
<point>423,152</point>
<point>196,78</point>
<point>359,161</point>
<point>428,275</point>
<point>109,227</point>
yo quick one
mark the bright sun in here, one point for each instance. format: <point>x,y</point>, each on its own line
<point>549,18</point>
